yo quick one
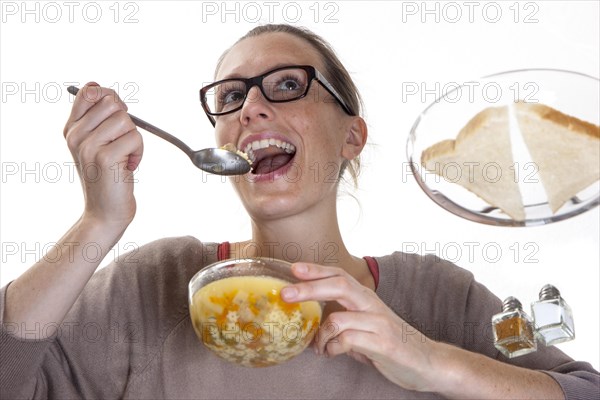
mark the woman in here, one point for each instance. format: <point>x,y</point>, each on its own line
<point>403,326</point>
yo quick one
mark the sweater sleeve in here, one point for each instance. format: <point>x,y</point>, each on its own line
<point>444,302</point>
<point>59,366</point>
<point>19,359</point>
<point>112,331</point>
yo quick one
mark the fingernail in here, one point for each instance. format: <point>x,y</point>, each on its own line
<point>289,292</point>
<point>302,268</point>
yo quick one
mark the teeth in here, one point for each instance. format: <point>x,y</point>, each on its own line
<point>264,143</point>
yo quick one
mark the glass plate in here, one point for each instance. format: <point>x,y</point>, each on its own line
<point>571,93</point>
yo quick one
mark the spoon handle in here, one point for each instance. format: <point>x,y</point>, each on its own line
<point>150,128</point>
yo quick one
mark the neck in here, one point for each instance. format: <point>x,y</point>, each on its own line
<point>312,236</point>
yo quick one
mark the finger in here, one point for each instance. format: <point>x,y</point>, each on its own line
<point>356,332</point>
<point>340,288</point>
<point>111,128</point>
<point>102,110</point>
<point>124,153</point>
<point>87,97</point>
<point>307,271</point>
<point>102,124</point>
<point>339,322</point>
<point>354,342</point>
<point>133,142</point>
<point>80,105</point>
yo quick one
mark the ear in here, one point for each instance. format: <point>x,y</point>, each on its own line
<point>355,138</point>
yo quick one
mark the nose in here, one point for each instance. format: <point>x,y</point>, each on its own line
<point>255,107</point>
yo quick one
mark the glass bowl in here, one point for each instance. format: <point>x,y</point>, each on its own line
<point>237,312</point>
<point>571,93</point>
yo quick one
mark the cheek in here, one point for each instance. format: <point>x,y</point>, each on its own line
<point>223,135</point>
<point>324,138</point>
<point>318,128</point>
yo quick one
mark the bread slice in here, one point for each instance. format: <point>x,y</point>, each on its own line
<point>565,150</point>
<point>482,152</point>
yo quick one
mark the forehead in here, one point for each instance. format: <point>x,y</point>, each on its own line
<point>255,55</point>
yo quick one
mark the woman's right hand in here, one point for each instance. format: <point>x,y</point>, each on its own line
<point>107,148</point>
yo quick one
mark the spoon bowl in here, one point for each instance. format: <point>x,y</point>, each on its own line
<point>220,162</point>
<point>212,160</point>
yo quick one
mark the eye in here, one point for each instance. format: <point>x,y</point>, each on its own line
<point>229,94</point>
<point>285,84</point>
<point>231,97</point>
<point>289,84</point>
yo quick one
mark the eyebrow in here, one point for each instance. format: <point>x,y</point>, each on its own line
<point>278,65</point>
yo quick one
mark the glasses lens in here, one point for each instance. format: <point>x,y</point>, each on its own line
<point>285,84</point>
<point>225,96</point>
<point>282,85</point>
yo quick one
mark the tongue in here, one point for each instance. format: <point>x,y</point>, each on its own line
<point>272,163</point>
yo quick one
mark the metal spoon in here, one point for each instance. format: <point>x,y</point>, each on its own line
<point>212,160</point>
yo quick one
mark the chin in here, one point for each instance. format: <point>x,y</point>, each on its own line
<point>270,206</point>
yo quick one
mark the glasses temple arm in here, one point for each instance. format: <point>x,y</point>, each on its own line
<point>333,92</point>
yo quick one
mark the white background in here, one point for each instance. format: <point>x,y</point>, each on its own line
<point>158,54</point>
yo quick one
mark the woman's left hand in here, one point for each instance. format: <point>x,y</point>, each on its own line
<point>368,330</point>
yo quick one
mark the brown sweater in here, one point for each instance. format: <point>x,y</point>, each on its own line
<point>129,336</point>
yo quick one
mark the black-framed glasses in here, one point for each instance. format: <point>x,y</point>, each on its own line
<point>279,85</point>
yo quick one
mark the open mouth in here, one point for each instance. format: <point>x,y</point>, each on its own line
<point>269,155</point>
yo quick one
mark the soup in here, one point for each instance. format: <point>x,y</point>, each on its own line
<point>244,320</point>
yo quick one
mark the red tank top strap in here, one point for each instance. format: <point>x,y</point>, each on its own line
<point>374,268</point>
<point>223,251</point>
